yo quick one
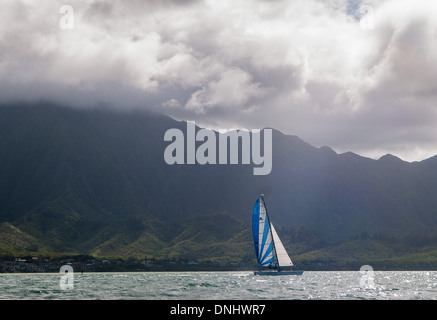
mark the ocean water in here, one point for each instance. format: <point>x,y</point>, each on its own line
<point>324,285</point>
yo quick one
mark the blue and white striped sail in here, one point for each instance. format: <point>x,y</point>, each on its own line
<point>262,235</point>
<point>268,247</point>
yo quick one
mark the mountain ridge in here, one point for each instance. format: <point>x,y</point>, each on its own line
<point>95,181</point>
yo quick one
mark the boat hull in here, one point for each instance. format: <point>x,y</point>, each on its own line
<point>278,273</point>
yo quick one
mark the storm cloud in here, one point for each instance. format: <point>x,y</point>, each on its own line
<point>307,67</point>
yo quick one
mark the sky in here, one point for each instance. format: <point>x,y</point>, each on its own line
<point>353,75</point>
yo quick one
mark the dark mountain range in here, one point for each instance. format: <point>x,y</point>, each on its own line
<point>95,181</point>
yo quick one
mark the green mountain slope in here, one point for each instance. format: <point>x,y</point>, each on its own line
<point>13,239</point>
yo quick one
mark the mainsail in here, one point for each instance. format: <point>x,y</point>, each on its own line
<point>269,249</point>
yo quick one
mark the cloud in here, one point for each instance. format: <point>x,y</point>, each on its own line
<point>233,89</point>
<point>305,67</point>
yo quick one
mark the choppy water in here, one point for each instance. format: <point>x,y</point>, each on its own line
<point>323,285</point>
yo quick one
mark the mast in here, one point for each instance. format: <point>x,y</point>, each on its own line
<point>270,227</point>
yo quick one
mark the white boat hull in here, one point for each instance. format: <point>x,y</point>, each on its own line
<point>278,273</point>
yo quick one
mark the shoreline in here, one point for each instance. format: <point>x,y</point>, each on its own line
<point>87,264</point>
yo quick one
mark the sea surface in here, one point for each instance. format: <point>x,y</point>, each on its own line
<point>323,285</point>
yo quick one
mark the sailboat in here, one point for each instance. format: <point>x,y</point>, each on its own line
<point>272,257</point>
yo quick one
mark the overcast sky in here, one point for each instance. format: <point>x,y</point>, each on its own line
<point>356,76</point>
